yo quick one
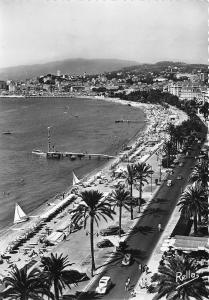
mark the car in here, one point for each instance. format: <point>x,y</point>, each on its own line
<point>122,246</point>
<point>169,182</point>
<point>181,164</point>
<point>179,177</point>
<point>127,259</point>
<point>105,243</point>
<point>105,284</point>
<point>111,230</point>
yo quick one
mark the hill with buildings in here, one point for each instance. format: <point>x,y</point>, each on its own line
<point>68,66</point>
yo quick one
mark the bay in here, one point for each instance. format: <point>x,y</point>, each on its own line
<point>77,125</point>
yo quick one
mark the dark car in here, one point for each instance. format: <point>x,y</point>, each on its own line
<point>105,244</point>
<point>111,230</point>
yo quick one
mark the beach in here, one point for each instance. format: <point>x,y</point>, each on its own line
<point>24,240</point>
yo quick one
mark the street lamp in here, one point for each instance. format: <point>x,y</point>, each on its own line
<point>160,164</point>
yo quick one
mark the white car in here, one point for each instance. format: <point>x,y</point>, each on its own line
<point>169,182</point>
<point>127,259</point>
<point>104,285</point>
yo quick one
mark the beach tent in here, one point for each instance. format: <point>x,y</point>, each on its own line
<point>64,224</point>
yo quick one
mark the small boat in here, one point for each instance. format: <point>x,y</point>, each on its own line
<point>39,152</point>
<point>19,216</point>
<point>6,132</point>
<point>75,179</point>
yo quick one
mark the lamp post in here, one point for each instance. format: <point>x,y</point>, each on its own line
<point>49,139</point>
<point>160,170</point>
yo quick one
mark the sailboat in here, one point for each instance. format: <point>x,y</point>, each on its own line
<point>19,216</point>
<point>75,179</point>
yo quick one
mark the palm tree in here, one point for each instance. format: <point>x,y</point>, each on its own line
<point>143,171</point>
<point>193,203</point>
<point>200,173</point>
<point>130,178</point>
<point>204,110</point>
<point>173,287</point>
<point>24,285</point>
<point>168,148</point>
<point>120,198</point>
<point>171,129</point>
<point>92,207</point>
<point>54,267</point>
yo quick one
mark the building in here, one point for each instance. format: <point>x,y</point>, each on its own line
<point>174,88</point>
<point>186,90</point>
<point>12,86</point>
<point>3,85</point>
<point>191,92</point>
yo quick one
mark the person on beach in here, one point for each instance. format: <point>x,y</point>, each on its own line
<point>127,284</point>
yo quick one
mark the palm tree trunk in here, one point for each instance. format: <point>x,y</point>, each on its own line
<point>199,218</point>
<point>140,195</point>
<point>92,245</point>
<point>131,192</point>
<point>195,223</point>
<point>120,215</point>
<point>56,290</point>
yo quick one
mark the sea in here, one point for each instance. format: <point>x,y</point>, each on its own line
<point>76,124</point>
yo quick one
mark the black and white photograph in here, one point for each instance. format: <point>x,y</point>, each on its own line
<point>104,150</point>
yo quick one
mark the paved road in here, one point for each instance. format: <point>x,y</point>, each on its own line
<point>145,235</point>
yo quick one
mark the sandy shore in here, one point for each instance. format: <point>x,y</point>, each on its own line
<point>40,225</point>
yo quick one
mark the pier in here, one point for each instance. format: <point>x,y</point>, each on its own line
<point>52,154</point>
<point>74,155</point>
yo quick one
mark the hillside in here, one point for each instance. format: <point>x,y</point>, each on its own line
<point>68,66</point>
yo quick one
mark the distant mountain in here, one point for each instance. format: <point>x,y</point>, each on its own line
<point>162,65</point>
<point>68,66</point>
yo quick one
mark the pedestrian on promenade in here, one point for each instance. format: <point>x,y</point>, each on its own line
<point>145,268</point>
<point>140,268</point>
<point>127,284</point>
<point>159,227</point>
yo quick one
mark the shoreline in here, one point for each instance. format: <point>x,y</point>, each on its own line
<point>89,179</point>
<point>85,178</point>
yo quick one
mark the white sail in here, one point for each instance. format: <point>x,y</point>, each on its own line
<point>75,179</point>
<point>20,216</point>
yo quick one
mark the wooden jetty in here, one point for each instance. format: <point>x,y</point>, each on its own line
<point>52,154</point>
<point>75,155</point>
<point>127,121</point>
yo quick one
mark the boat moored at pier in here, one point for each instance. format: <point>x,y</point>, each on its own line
<point>39,152</point>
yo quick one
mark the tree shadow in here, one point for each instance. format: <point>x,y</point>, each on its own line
<point>81,296</point>
<point>160,200</point>
<point>142,229</point>
<point>87,295</point>
<point>137,255</point>
<point>156,212</point>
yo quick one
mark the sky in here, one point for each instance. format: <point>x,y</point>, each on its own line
<point>146,31</point>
